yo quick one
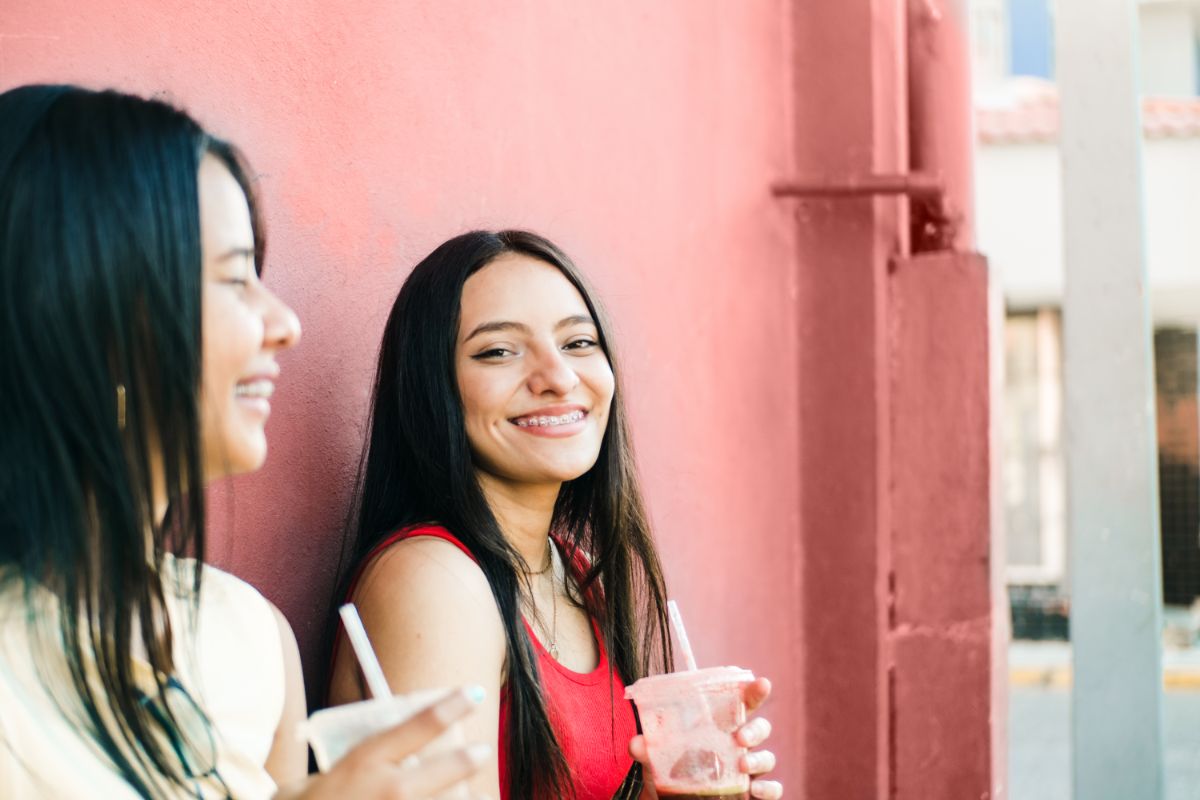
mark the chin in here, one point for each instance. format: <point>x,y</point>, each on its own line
<point>245,456</point>
<point>251,464</point>
<point>564,472</point>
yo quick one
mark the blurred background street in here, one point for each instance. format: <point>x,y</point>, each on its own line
<point>1023,204</point>
<point>1039,756</point>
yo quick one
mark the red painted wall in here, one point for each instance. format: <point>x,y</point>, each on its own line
<point>849,79</point>
<point>896,595</point>
<point>641,136</point>
<point>810,407</point>
<point>939,642</point>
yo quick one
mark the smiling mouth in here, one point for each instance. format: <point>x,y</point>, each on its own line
<point>260,388</point>
<point>548,421</point>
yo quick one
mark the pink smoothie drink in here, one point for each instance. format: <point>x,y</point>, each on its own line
<point>689,720</point>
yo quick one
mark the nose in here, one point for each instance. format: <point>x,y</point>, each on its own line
<point>281,328</point>
<point>551,374</point>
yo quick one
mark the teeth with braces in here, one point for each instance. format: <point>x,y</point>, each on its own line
<point>262,389</point>
<point>548,422</point>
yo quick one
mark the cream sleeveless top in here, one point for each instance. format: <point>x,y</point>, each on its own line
<point>228,658</point>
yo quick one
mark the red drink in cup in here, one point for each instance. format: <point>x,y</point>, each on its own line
<point>689,720</point>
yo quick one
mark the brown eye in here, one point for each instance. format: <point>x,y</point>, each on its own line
<point>492,354</point>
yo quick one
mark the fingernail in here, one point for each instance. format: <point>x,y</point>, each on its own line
<point>766,789</point>
<point>458,704</point>
<point>478,753</point>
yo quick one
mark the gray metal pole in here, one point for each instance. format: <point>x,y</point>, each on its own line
<point>1111,448</point>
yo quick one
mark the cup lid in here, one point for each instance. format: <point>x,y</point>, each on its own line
<point>691,679</point>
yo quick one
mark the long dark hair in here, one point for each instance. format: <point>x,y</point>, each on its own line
<point>417,467</point>
<point>100,280</point>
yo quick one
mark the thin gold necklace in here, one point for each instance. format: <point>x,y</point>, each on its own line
<point>549,561</point>
<point>553,649</point>
<point>552,634</point>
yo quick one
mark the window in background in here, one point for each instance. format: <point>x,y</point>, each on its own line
<point>1034,478</point>
<point>1176,360</point>
<point>1031,38</point>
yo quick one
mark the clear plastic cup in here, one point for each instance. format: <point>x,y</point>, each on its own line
<point>333,732</point>
<point>689,720</point>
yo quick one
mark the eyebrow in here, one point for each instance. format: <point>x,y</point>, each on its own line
<point>504,325</point>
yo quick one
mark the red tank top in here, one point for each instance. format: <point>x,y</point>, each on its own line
<point>591,717</point>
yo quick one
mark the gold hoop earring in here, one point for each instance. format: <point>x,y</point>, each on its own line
<point>121,406</point>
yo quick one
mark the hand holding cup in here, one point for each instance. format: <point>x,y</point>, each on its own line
<point>750,735</point>
<point>382,767</point>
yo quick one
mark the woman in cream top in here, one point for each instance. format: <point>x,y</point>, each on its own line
<point>138,355</point>
<point>42,751</point>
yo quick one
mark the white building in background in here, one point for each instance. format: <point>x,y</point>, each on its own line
<point>1019,224</point>
<point>1019,198</point>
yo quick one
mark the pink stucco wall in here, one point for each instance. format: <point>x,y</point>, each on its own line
<point>939,640</point>
<point>810,408</point>
<point>642,136</point>
<point>896,606</point>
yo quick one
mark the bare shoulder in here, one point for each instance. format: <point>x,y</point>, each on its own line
<point>430,613</point>
<point>425,568</point>
<point>287,640</point>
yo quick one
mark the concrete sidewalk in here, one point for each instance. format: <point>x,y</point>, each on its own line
<point>1049,664</point>
<point>1039,743</point>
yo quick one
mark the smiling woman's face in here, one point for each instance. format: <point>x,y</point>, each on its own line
<point>243,326</point>
<point>535,385</point>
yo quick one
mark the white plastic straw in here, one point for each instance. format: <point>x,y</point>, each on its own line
<point>677,624</point>
<point>366,654</point>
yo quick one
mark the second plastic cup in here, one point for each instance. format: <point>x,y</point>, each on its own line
<point>333,732</point>
<point>689,720</point>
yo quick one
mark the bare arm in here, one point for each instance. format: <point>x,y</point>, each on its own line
<point>287,762</point>
<point>433,622</point>
<point>371,770</point>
